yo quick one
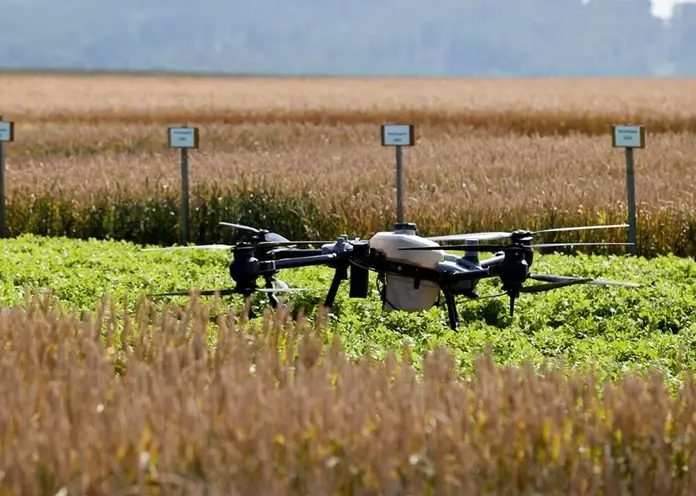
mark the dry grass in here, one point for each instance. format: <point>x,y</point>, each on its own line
<point>280,412</point>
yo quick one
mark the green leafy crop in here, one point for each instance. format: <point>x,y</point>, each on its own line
<point>611,330</point>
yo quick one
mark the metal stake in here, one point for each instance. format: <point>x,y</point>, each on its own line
<point>3,229</point>
<point>184,197</point>
<point>631,193</point>
<point>399,185</point>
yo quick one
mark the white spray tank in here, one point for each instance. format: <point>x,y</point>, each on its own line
<point>400,293</point>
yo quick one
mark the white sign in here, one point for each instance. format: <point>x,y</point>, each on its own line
<point>398,135</point>
<point>6,131</point>
<point>629,136</point>
<point>183,137</point>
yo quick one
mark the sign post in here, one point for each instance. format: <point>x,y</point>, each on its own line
<point>184,138</point>
<point>630,137</point>
<point>6,136</point>
<point>399,135</point>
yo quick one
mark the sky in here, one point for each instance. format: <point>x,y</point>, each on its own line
<point>663,8</point>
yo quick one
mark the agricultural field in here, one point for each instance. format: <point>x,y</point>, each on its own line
<point>105,390</point>
<point>585,389</point>
<point>91,156</point>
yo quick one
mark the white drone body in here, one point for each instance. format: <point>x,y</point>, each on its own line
<point>402,293</point>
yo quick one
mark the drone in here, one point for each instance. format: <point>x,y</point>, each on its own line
<point>413,271</point>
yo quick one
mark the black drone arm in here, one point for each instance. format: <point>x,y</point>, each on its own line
<point>492,261</point>
<point>271,266</point>
<point>449,280</point>
<point>302,253</point>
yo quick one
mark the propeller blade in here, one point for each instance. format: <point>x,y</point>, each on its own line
<point>492,236</point>
<point>495,248</point>
<point>491,296</point>
<point>552,245</point>
<point>580,228</point>
<point>599,282</point>
<point>552,285</point>
<point>607,282</point>
<point>483,236</point>
<point>240,226</point>
<point>285,290</point>
<point>271,237</point>
<point>292,243</point>
<point>492,248</point>
<point>225,292</point>
<point>267,236</point>
<point>210,292</point>
<point>195,247</point>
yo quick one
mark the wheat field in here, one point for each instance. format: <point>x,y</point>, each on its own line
<point>663,104</point>
<point>490,154</point>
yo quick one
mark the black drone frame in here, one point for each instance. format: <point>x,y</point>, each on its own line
<point>265,254</point>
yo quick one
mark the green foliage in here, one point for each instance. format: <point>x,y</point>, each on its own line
<point>612,330</point>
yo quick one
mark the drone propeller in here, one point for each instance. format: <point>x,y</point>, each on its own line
<point>581,280</point>
<point>554,282</point>
<point>496,248</point>
<point>265,239</point>
<point>215,247</point>
<point>293,243</point>
<point>194,247</point>
<point>225,292</point>
<point>262,235</point>
<point>240,226</point>
<point>492,236</point>
<point>540,288</point>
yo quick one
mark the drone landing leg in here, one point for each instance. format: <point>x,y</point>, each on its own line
<point>451,310</point>
<point>271,298</point>
<point>340,275</point>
